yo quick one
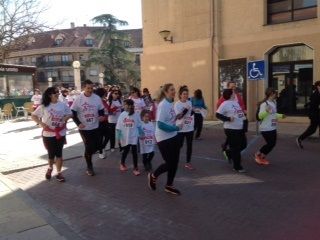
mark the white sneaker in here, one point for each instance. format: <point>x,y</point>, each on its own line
<point>102,155</point>
<point>112,149</point>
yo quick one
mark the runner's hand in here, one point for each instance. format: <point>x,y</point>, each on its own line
<point>81,126</point>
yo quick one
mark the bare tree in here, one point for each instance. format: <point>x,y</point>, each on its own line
<point>18,19</point>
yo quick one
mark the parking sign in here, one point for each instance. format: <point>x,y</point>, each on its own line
<point>256,70</point>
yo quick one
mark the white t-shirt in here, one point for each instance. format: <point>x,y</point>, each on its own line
<point>139,105</point>
<point>167,115</point>
<point>36,99</point>
<point>147,141</point>
<point>128,125</point>
<point>187,121</point>
<point>113,116</point>
<point>269,123</point>
<point>87,109</point>
<point>231,108</point>
<point>52,116</point>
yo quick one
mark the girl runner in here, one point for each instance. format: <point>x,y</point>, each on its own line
<point>268,125</point>
<point>36,99</point>
<point>139,103</point>
<point>88,111</point>
<point>52,116</point>
<point>147,141</point>
<point>128,126</point>
<point>233,117</point>
<point>103,126</point>
<point>168,140</point>
<point>183,108</point>
<point>114,109</point>
<point>198,104</point>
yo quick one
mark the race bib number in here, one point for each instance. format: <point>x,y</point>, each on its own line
<point>148,142</point>
<point>273,122</point>
<point>55,124</point>
<point>128,125</point>
<point>188,120</point>
<point>89,120</point>
<point>240,114</point>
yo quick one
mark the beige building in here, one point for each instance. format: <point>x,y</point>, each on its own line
<point>53,53</point>
<point>213,41</point>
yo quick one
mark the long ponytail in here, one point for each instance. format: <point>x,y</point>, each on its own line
<point>163,90</point>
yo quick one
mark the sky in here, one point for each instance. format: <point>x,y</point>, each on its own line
<point>61,13</point>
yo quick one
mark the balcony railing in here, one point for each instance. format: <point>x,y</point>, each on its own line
<point>55,64</point>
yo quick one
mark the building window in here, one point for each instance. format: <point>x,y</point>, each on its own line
<point>50,58</point>
<point>59,41</point>
<point>281,11</point>
<point>89,42</point>
<point>291,73</point>
<point>127,44</point>
<point>93,72</point>
<point>66,58</point>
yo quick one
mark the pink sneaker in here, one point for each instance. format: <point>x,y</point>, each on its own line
<point>123,168</point>
<point>189,166</point>
<point>136,172</point>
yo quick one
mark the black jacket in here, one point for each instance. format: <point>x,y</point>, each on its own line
<point>314,111</point>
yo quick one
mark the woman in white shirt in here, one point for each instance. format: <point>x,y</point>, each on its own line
<point>268,118</point>
<point>183,109</point>
<point>139,104</point>
<point>167,138</point>
<point>36,99</point>
<point>52,116</point>
<point>233,117</point>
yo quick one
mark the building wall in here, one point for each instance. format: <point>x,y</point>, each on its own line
<point>187,61</point>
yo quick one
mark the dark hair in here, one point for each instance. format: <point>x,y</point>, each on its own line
<point>268,92</point>
<point>136,90</point>
<point>198,94</point>
<point>315,85</point>
<point>145,90</point>
<point>46,97</point>
<point>110,98</point>
<point>129,102</point>
<point>227,93</point>
<point>144,112</point>
<point>163,90</point>
<point>87,82</point>
<point>101,92</point>
<point>182,89</point>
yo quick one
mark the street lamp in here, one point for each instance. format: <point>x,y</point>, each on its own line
<point>49,82</point>
<point>101,77</point>
<point>77,79</point>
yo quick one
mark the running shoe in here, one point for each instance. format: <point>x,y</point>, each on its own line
<point>189,166</point>
<point>299,143</point>
<point>90,172</point>
<point>240,170</point>
<point>112,150</point>
<point>60,178</point>
<point>123,168</point>
<point>259,160</point>
<point>102,155</point>
<point>136,172</point>
<point>266,162</point>
<point>152,182</point>
<point>172,190</point>
<point>48,173</point>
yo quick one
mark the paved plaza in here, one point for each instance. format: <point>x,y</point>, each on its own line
<point>278,202</point>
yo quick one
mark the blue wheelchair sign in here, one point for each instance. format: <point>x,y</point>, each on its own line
<point>256,70</point>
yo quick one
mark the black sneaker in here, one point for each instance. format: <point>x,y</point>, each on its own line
<point>152,182</point>
<point>299,143</point>
<point>90,172</point>
<point>60,178</point>
<point>172,190</point>
<point>48,173</point>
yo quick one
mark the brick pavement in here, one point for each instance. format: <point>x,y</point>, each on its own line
<point>278,202</point>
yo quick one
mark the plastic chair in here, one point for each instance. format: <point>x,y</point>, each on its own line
<point>29,107</point>
<point>20,110</point>
<point>7,111</point>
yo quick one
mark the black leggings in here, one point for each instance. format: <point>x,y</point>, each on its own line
<point>189,137</point>
<point>170,150</point>
<point>147,158</point>
<point>91,140</point>
<point>111,135</point>
<point>314,124</point>
<point>104,136</point>
<point>271,139</point>
<point>126,150</point>
<point>237,141</point>
<point>198,124</point>
<point>54,146</point>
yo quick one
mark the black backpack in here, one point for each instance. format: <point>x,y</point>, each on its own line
<point>258,110</point>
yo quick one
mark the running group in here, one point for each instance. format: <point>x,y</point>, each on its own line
<point>138,123</point>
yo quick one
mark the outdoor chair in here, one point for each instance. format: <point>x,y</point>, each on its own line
<point>7,111</point>
<point>29,108</point>
<point>20,110</point>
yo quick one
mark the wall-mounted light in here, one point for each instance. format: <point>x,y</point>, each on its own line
<point>165,34</point>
